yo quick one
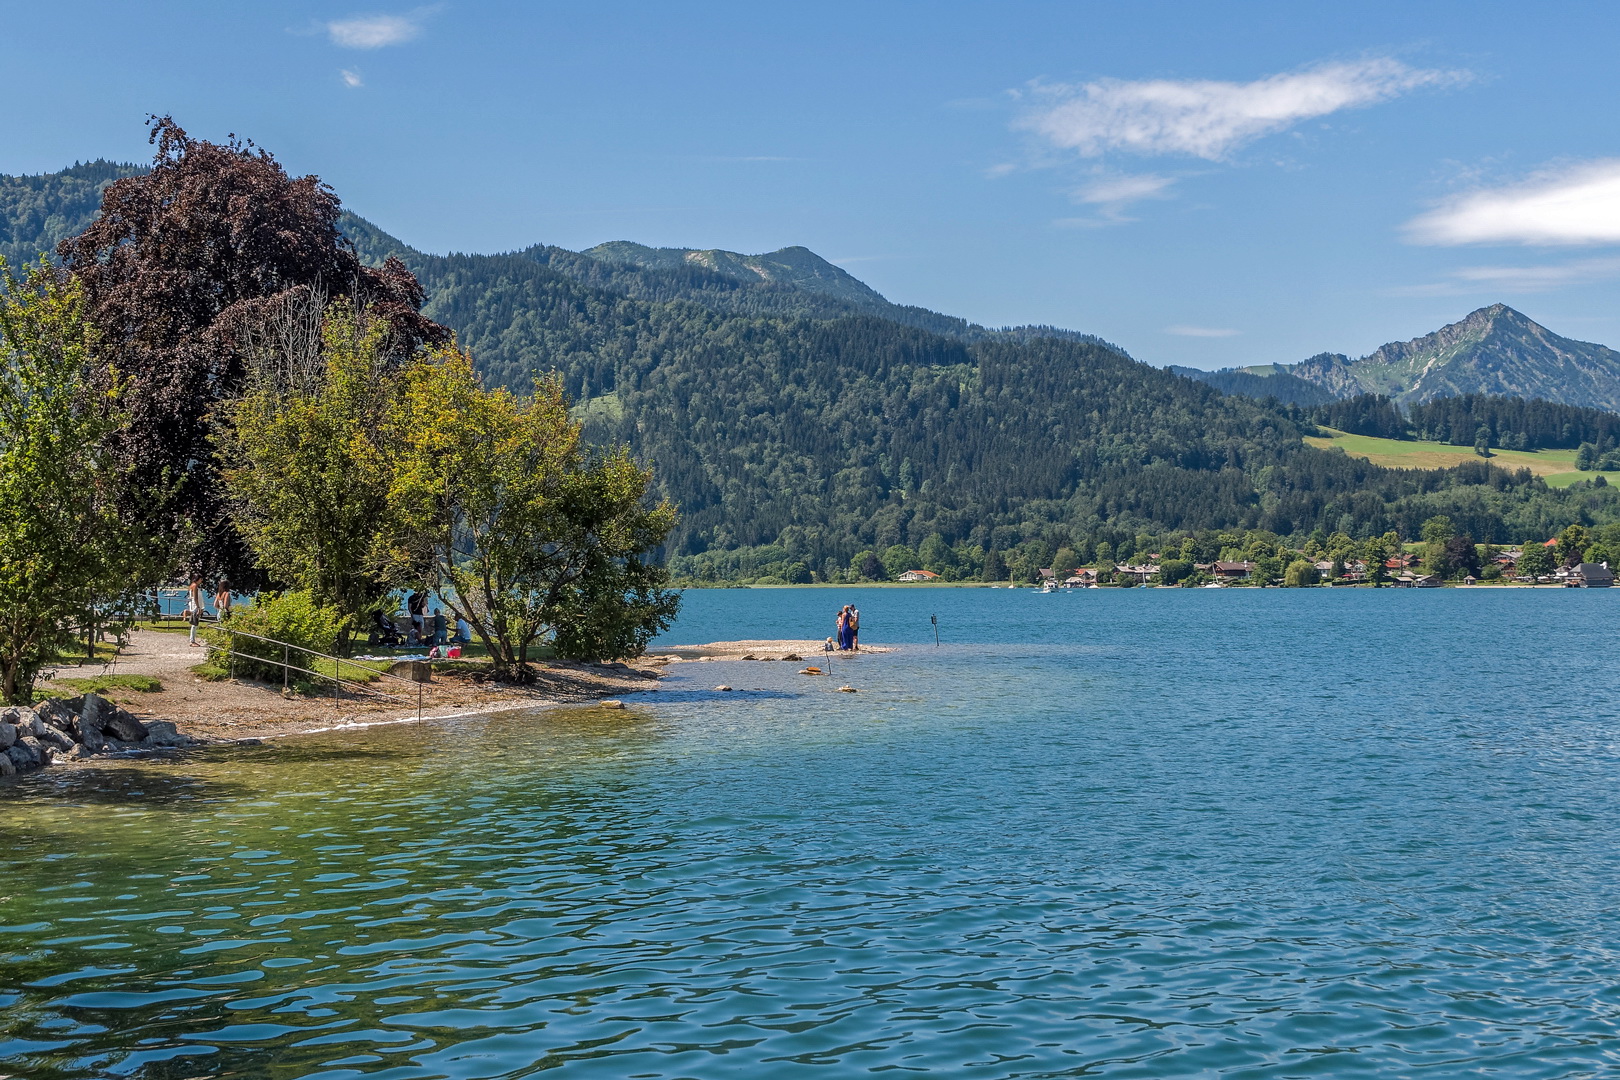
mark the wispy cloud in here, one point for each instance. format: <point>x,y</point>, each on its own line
<point>1210,119</point>
<point>376,31</point>
<point>1473,280</point>
<point>352,78</point>
<point>1112,195</point>
<point>1576,204</point>
<point>1201,331</point>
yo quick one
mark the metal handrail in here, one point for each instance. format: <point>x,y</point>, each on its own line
<point>338,680</point>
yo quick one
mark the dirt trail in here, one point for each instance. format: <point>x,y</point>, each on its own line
<point>242,709</point>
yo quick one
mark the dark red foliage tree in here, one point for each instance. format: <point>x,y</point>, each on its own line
<point>180,269</point>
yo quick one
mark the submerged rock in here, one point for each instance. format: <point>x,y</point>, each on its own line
<point>8,734</point>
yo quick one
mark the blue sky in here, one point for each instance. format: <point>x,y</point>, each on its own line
<point>1204,184</point>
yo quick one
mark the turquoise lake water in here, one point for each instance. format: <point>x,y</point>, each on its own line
<point>1114,833</point>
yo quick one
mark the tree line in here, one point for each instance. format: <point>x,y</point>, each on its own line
<point>1485,420</point>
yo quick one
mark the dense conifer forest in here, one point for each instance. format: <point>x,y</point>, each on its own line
<point>800,432</point>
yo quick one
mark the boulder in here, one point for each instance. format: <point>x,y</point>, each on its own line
<point>56,739</point>
<point>7,768</point>
<point>8,734</point>
<point>794,657</point>
<point>723,688</point>
<point>119,724</point>
<point>163,733</point>
<point>94,711</point>
<point>54,713</point>
<point>28,754</point>
<point>80,752</point>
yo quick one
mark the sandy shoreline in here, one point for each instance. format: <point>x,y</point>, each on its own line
<point>232,710</point>
<point>792,650</point>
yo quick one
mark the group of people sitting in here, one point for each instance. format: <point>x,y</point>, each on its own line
<point>419,629</point>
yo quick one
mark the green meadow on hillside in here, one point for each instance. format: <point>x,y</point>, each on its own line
<point>1557,467</point>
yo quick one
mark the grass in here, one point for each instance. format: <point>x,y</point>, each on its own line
<point>106,684</point>
<point>1557,467</point>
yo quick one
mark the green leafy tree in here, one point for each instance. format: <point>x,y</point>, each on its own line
<point>1300,573</point>
<point>898,559</point>
<point>994,569</point>
<point>1586,458</point>
<point>868,566</point>
<point>1535,561</point>
<point>62,547</point>
<point>1572,543</point>
<point>530,539</point>
<point>936,555</point>
<point>1065,562</point>
<point>1438,533</point>
<point>312,468</point>
<point>1174,571</point>
<point>1376,551</point>
<point>1482,441</point>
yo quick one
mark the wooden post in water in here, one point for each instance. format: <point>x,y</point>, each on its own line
<point>935,620</point>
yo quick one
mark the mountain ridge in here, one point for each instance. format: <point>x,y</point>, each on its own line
<point>1494,350</point>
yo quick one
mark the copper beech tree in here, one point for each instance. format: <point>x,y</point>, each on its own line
<point>181,274</point>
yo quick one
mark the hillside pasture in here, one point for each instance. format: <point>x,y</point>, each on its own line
<point>1557,467</point>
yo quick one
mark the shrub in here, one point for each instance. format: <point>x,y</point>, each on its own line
<point>292,618</point>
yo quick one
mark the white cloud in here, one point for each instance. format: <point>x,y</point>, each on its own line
<point>1210,119</point>
<point>1477,280</point>
<point>1578,204</point>
<point>374,31</point>
<point>1112,196</point>
<point>1121,190</point>
<point>1201,331</point>
<point>352,79</point>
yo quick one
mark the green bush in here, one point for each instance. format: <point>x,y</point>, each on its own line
<point>292,618</point>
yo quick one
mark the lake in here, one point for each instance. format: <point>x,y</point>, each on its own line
<point>1112,833</point>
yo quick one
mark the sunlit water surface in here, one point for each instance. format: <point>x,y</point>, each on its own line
<point>1118,833</point>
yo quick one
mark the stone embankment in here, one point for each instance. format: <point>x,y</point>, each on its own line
<point>75,729</point>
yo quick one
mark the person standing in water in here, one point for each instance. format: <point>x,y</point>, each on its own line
<point>854,628</point>
<point>842,628</point>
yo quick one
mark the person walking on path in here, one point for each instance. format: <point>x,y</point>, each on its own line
<point>222,601</point>
<point>194,604</point>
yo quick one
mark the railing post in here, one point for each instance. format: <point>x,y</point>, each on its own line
<point>286,661</point>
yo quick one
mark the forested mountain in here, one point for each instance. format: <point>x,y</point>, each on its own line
<point>1495,350</point>
<point>799,420</point>
<point>39,212</point>
<point>1259,383</point>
